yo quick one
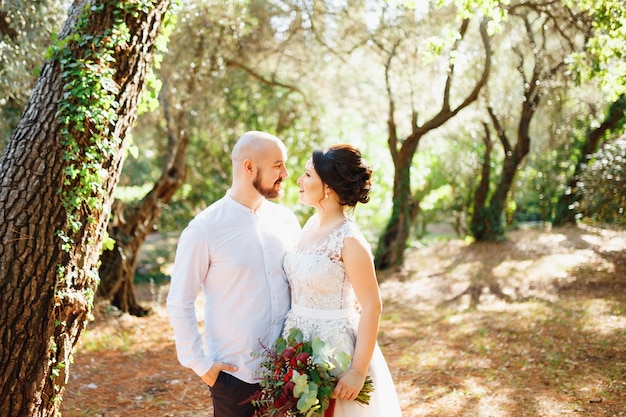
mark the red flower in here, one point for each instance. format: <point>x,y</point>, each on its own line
<point>280,401</point>
<point>288,375</point>
<point>311,394</point>
<point>288,354</point>
<point>301,359</point>
<point>288,388</point>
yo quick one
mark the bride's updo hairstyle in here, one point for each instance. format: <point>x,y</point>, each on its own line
<point>342,169</point>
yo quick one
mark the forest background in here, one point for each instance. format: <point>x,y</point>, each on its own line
<point>480,116</point>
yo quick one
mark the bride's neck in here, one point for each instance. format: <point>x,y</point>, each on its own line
<point>330,217</point>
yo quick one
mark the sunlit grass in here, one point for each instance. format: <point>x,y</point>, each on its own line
<point>98,341</point>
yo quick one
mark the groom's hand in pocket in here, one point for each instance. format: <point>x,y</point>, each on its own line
<point>211,376</point>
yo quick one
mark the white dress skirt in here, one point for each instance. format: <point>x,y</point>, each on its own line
<point>324,305</point>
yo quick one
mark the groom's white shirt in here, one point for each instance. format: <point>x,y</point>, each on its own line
<point>233,257</point>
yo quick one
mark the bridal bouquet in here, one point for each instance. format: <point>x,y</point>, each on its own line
<point>297,380</point>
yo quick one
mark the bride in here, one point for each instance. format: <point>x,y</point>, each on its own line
<point>333,282</point>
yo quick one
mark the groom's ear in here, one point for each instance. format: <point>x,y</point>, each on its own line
<point>248,167</point>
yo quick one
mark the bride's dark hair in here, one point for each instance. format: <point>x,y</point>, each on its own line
<point>343,169</point>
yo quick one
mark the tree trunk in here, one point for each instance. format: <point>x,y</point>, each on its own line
<point>495,212</point>
<point>480,223</point>
<point>565,210</point>
<point>131,225</point>
<point>490,221</point>
<point>130,231</point>
<point>392,242</point>
<point>53,210</point>
<point>117,266</point>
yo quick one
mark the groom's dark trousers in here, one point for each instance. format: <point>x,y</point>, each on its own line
<point>228,393</point>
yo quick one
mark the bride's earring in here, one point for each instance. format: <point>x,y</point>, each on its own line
<point>326,193</point>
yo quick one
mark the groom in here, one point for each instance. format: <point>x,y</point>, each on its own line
<point>232,252</point>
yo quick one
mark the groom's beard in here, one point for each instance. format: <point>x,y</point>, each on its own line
<point>268,192</point>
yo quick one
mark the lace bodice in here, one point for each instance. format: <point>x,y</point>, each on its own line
<point>317,275</point>
<point>324,304</point>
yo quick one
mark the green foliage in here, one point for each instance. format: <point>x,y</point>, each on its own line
<point>434,190</point>
<point>603,184</point>
<point>150,94</point>
<point>218,86</point>
<point>297,377</point>
<point>26,34</point>
<point>132,193</point>
<point>604,56</point>
<point>495,9</point>
<point>540,183</point>
<point>244,58</point>
<point>89,103</point>
<point>87,114</point>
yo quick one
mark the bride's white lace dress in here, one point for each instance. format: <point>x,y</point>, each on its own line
<point>324,305</point>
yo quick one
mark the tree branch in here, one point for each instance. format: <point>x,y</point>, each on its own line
<point>445,113</point>
<point>267,81</point>
<point>506,144</point>
<point>446,92</point>
<point>391,122</point>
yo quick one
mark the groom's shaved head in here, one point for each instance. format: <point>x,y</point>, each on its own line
<point>252,145</point>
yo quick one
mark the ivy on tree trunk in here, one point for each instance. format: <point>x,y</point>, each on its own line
<point>57,178</point>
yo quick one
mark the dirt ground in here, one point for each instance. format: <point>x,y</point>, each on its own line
<point>535,326</point>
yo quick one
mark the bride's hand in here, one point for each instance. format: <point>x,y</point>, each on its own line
<point>349,384</point>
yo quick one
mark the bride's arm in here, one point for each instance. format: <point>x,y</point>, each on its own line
<point>359,266</point>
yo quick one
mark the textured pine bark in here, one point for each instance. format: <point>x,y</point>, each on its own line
<point>43,311</point>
